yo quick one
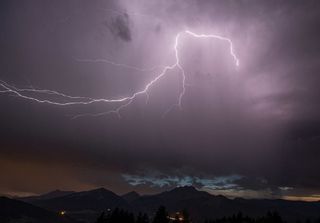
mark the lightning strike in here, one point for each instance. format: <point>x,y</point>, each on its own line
<point>123,102</point>
<point>120,64</point>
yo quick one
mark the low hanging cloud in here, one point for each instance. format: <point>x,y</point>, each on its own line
<point>161,180</point>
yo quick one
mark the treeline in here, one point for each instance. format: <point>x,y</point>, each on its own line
<point>162,216</point>
<point>120,215</point>
<point>270,217</point>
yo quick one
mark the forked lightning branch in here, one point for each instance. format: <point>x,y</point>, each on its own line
<point>45,96</point>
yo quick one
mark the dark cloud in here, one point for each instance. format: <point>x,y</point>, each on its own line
<point>119,26</point>
<point>259,121</point>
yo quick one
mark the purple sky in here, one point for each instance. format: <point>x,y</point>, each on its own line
<point>250,130</point>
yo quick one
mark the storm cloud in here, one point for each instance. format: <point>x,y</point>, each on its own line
<point>258,122</point>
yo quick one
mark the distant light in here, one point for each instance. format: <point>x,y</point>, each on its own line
<point>62,213</point>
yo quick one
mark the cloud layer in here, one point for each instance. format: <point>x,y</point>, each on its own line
<point>255,128</point>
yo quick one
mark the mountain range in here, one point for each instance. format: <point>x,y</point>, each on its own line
<point>12,210</point>
<point>85,206</point>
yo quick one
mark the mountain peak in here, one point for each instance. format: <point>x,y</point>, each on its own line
<point>131,196</point>
<point>100,189</point>
<point>56,193</point>
<point>185,192</point>
<point>185,189</point>
<point>56,190</point>
<point>49,195</point>
<point>132,193</point>
<point>97,199</point>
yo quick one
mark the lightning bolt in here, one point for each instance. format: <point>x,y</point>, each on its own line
<point>119,64</point>
<point>123,102</point>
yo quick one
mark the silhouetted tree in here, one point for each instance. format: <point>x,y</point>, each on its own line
<point>185,216</point>
<point>176,218</point>
<point>121,216</point>
<point>142,218</point>
<point>273,217</point>
<point>101,218</point>
<point>270,217</point>
<point>161,215</point>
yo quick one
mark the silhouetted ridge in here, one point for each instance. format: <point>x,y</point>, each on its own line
<point>95,192</point>
<point>18,211</point>
<point>188,189</point>
<point>131,196</point>
<point>49,195</point>
<point>97,199</point>
<point>186,192</point>
<point>200,204</point>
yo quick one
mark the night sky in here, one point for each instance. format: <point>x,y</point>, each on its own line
<point>251,130</point>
